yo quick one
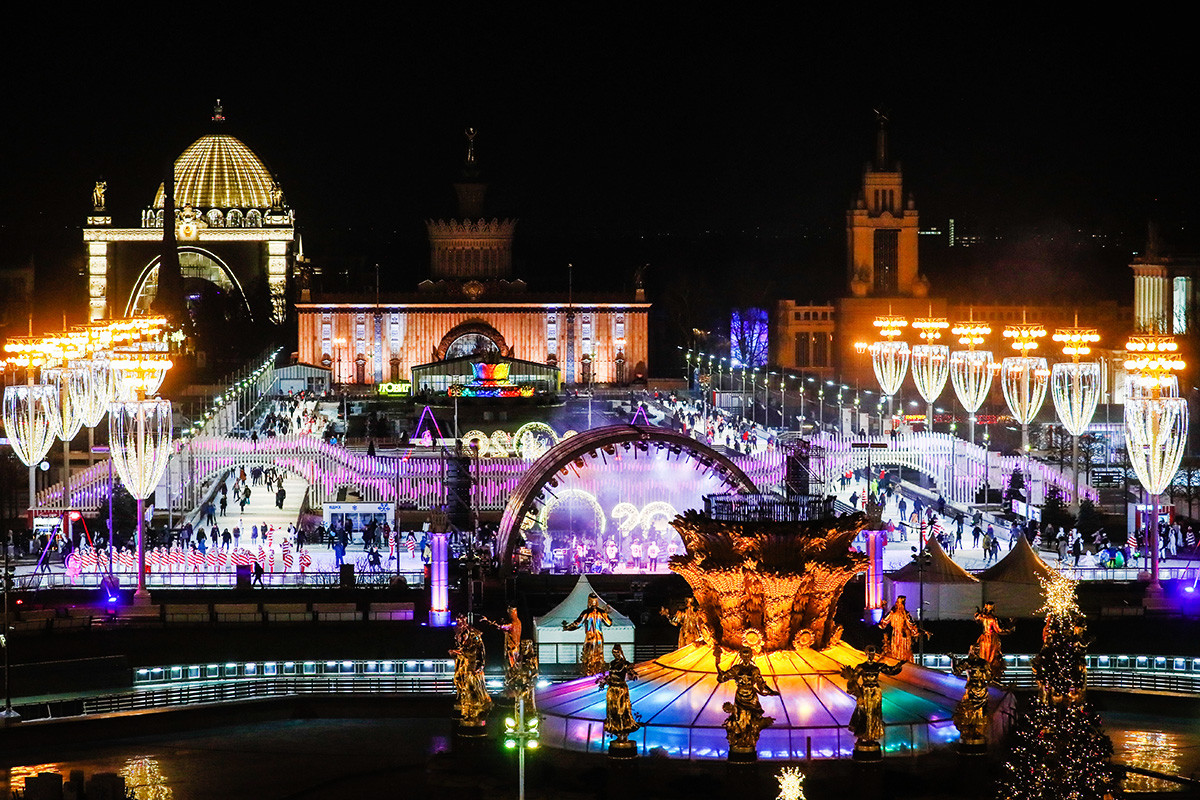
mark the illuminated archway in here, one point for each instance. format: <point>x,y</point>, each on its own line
<point>610,449</point>
<point>476,332</point>
<point>194,263</point>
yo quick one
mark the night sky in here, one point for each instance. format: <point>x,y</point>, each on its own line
<point>706,146</point>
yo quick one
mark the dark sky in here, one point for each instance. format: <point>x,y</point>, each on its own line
<point>604,123</point>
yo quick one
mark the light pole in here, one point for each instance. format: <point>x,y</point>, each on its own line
<point>1156,425</point>
<point>8,715</point>
<point>521,734</point>
<point>971,370</point>
<point>1075,387</point>
<point>930,363</point>
<point>1024,379</point>
<point>889,357</point>
<point>139,433</point>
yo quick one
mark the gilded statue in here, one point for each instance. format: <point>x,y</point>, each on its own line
<point>970,714</point>
<point>474,702</point>
<point>901,631</point>
<point>746,719</point>
<point>276,195</point>
<point>690,621</point>
<point>618,721</point>
<point>98,195</point>
<point>862,682</point>
<point>989,640</point>
<point>522,678</point>
<point>592,619</point>
<point>512,637</point>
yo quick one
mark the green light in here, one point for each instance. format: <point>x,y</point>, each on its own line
<point>532,744</point>
<point>510,744</point>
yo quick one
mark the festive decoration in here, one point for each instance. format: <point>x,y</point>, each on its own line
<point>791,784</point>
<point>930,369</point>
<point>29,413</point>
<point>971,370</point>
<point>69,384</point>
<point>889,357</point>
<point>139,435</point>
<point>1058,746</point>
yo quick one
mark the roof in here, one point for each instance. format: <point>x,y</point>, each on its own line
<point>941,569</point>
<point>1021,565</point>
<point>575,602</point>
<point>218,171</point>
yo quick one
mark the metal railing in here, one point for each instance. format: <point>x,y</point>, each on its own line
<point>1147,673</point>
<point>216,580</point>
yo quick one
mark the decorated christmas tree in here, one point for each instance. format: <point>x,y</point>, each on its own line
<point>1058,746</point>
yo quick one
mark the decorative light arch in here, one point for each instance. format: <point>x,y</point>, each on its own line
<point>575,497</point>
<point>543,475</point>
<point>232,283</point>
<point>477,327</point>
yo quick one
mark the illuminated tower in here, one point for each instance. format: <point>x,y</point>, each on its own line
<point>470,248</point>
<point>881,231</point>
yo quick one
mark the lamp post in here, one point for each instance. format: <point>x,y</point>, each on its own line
<point>29,411</point>
<point>519,734</point>
<point>930,363</point>
<point>971,370</point>
<point>1156,425</point>
<point>1075,387</point>
<point>1024,379</point>
<point>139,433</point>
<point>69,384</point>
<point>889,357</point>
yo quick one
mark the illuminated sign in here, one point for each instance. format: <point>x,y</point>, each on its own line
<point>396,388</point>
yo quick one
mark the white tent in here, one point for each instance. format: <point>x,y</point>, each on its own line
<point>556,646</point>
<point>1013,583</point>
<point>950,592</point>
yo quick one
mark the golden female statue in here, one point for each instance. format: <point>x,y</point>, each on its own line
<point>619,721</point>
<point>903,631</point>
<point>970,714</point>
<point>866,723</point>
<point>989,641</point>
<point>690,621</point>
<point>522,679</point>
<point>591,619</point>
<point>474,702</point>
<point>512,637</point>
<point>746,719</point>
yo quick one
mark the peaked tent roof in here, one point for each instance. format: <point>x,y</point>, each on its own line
<point>575,602</point>
<point>941,569</point>
<point>1021,565</point>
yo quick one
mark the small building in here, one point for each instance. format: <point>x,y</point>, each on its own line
<point>948,590</point>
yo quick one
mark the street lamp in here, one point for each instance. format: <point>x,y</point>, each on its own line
<point>930,363</point>
<point>139,433</point>
<point>1024,379</point>
<point>1156,425</point>
<point>971,370</point>
<point>519,734</point>
<point>1075,387</point>
<point>889,357</point>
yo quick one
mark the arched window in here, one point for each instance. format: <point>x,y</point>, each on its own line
<point>215,218</point>
<point>253,218</point>
<point>235,218</point>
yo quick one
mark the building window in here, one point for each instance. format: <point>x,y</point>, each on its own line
<point>821,350</point>
<point>887,255</point>
<point>326,334</point>
<point>552,336</point>
<point>804,349</point>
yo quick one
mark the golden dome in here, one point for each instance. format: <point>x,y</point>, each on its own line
<point>218,171</point>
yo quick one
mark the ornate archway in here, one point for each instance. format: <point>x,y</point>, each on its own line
<point>608,447</point>
<point>195,263</point>
<point>470,328</point>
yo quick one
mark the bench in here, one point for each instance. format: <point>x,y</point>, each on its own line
<point>392,612</point>
<point>336,612</point>
<point>182,612</point>
<point>238,612</point>
<point>287,612</point>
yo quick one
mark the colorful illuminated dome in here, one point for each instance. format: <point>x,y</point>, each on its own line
<point>495,373</point>
<point>219,171</point>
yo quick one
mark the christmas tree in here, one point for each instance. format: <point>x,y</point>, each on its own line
<point>1058,746</point>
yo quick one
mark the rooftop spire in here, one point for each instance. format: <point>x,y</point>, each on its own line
<point>881,148</point>
<point>218,114</point>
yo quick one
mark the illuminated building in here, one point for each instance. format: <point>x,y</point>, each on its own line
<point>883,277</point>
<point>1164,289</point>
<point>471,305</point>
<point>235,234</point>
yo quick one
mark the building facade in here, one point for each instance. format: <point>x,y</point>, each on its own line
<point>471,305</point>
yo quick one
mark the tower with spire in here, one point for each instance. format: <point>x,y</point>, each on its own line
<point>470,247</point>
<point>881,230</point>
